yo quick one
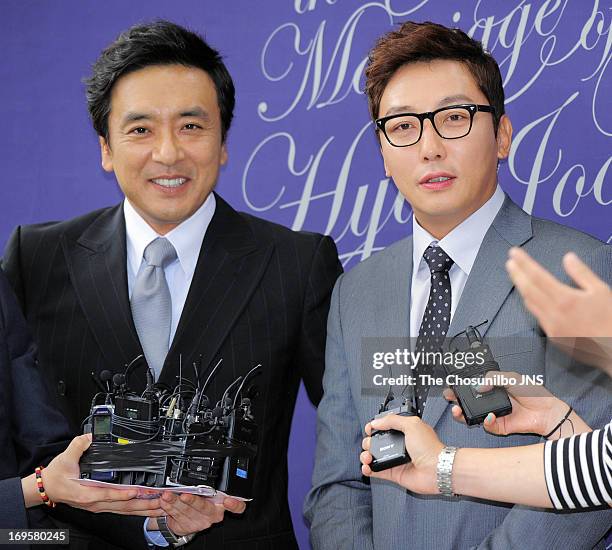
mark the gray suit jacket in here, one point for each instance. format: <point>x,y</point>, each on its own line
<point>373,301</point>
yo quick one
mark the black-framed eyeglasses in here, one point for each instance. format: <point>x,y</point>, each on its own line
<point>452,122</point>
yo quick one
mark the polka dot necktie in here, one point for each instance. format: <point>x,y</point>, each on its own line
<point>436,318</point>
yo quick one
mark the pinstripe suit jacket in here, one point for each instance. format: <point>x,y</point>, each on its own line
<point>373,300</point>
<point>260,294</point>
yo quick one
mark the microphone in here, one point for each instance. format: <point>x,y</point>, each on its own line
<point>248,375</point>
<point>473,337</point>
<point>106,377</point>
<point>103,380</point>
<point>150,379</point>
<point>225,403</point>
<point>119,381</point>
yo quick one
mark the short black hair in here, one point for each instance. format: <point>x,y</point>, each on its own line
<point>157,43</point>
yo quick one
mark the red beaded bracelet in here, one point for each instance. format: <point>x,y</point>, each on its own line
<point>41,487</point>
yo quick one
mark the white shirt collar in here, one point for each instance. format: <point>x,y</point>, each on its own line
<point>463,242</point>
<point>186,237</point>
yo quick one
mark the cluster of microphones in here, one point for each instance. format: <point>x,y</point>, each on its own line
<point>170,437</point>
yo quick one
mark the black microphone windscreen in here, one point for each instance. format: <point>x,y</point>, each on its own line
<point>106,375</point>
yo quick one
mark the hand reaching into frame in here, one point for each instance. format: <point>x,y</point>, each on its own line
<point>579,320</point>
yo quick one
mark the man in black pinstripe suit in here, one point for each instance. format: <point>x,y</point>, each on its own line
<point>243,289</point>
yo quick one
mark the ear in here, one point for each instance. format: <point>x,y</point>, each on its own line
<point>387,172</point>
<point>223,155</point>
<point>504,137</point>
<point>380,144</point>
<point>106,154</point>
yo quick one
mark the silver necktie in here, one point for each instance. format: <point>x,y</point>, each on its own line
<point>152,305</point>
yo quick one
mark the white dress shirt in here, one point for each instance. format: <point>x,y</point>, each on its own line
<point>461,244</point>
<point>187,240</point>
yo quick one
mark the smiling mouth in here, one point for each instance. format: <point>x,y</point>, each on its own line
<point>169,182</point>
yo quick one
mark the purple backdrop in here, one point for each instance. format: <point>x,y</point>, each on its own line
<point>301,150</point>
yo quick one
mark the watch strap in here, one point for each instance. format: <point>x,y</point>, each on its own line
<point>444,471</point>
<point>171,538</point>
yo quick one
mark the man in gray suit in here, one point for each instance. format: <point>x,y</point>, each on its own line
<point>438,103</point>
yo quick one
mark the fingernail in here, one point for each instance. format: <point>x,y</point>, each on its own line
<point>489,418</point>
<point>571,256</point>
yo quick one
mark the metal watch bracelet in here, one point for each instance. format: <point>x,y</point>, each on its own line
<point>444,471</point>
<point>171,538</point>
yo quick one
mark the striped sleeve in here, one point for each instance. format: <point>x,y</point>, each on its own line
<point>578,470</point>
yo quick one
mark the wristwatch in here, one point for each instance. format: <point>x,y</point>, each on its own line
<point>444,471</point>
<point>171,538</point>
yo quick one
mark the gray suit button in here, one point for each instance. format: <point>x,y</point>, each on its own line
<point>61,388</point>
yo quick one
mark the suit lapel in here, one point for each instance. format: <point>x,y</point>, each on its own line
<point>229,268</point>
<point>488,284</point>
<point>97,265</point>
<point>392,310</point>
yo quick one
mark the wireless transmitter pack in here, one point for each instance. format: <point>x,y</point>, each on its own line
<point>388,447</point>
<point>476,405</point>
<point>165,438</point>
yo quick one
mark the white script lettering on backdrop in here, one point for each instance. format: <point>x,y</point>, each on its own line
<point>554,58</point>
